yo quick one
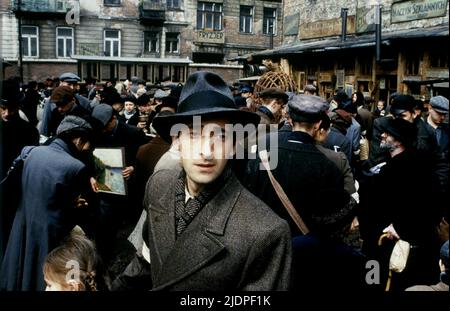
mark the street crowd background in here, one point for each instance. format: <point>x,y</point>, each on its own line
<point>362,175</point>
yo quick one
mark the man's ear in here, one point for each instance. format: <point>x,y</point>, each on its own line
<point>176,144</point>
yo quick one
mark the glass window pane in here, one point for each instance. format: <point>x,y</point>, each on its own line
<point>25,47</point>
<point>29,30</point>
<point>116,48</point>
<point>111,34</point>
<point>209,21</point>
<point>61,48</point>
<point>34,47</point>
<point>108,48</point>
<point>217,21</point>
<point>208,6</point>
<point>199,20</point>
<point>68,47</point>
<point>67,32</point>
<point>175,46</point>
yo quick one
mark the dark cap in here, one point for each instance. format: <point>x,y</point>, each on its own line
<point>310,89</point>
<point>439,104</point>
<point>69,77</point>
<point>160,94</point>
<point>401,130</point>
<point>342,116</point>
<point>274,93</point>
<point>102,113</point>
<point>71,123</point>
<point>305,108</point>
<point>349,106</point>
<point>244,88</point>
<point>62,95</point>
<point>340,96</point>
<point>169,101</point>
<point>402,103</point>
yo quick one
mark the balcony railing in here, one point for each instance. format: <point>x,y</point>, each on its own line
<point>152,12</point>
<point>36,7</point>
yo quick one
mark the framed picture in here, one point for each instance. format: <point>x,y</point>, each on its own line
<point>109,163</point>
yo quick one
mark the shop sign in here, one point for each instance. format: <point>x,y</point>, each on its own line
<point>417,9</point>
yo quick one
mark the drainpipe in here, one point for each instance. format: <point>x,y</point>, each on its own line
<point>378,32</point>
<point>19,23</point>
<point>344,23</point>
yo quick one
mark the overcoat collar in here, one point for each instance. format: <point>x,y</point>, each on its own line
<point>198,244</point>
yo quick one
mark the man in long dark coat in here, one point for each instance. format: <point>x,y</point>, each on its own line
<point>52,182</point>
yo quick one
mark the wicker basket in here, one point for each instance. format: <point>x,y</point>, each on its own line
<point>278,80</point>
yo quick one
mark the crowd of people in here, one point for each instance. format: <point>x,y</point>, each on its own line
<point>336,184</point>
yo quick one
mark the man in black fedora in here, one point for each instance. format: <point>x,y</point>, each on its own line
<point>205,230</point>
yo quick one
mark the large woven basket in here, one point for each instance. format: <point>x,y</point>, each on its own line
<point>278,80</point>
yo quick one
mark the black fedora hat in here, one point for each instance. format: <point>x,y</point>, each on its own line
<point>207,95</point>
<point>401,130</point>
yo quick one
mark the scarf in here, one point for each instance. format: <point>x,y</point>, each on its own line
<point>185,212</point>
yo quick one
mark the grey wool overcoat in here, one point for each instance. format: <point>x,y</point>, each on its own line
<point>236,242</point>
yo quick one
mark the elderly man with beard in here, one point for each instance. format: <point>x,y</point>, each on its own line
<point>388,205</point>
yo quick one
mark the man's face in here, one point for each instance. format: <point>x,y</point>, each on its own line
<point>437,117</point>
<point>64,108</point>
<point>407,115</point>
<point>277,108</point>
<point>69,84</point>
<point>129,106</point>
<point>8,113</point>
<point>388,142</point>
<point>145,109</point>
<point>380,105</point>
<point>204,151</point>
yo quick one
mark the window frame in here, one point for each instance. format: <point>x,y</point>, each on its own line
<point>170,5</point>
<point>158,43</point>
<point>28,37</point>
<point>266,19</point>
<point>65,42</point>
<point>178,43</point>
<point>243,19</point>
<point>214,14</point>
<point>112,40</point>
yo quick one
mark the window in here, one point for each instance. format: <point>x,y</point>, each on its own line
<point>246,19</point>
<point>172,39</point>
<point>64,42</point>
<point>151,42</point>
<point>209,16</point>
<point>270,21</point>
<point>30,41</point>
<point>111,2</point>
<point>173,4</point>
<point>112,43</point>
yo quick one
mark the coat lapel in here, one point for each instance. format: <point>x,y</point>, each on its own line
<point>199,243</point>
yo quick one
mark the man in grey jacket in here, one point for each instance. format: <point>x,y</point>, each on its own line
<point>206,232</point>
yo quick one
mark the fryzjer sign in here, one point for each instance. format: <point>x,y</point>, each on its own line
<point>417,9</point>
<point>210,36</point>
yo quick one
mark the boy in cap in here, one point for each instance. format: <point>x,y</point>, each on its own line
<point>53,181</point>
<point>271,109</point>
<point>198,216</point>
<point>438,113</point>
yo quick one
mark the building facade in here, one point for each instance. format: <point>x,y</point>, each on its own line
<point>155,40</point>
<point>334,44</point>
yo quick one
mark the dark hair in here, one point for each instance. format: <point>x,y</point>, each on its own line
<point>326,122</point>
<point>78,248</point>
<point>62,95</point>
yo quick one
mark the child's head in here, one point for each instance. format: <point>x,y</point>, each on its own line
<point>74,266</point>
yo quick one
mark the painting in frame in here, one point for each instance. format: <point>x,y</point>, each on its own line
<point>109,163</point>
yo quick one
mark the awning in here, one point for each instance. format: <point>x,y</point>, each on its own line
<point>152,60</point>
<point>352,41</point>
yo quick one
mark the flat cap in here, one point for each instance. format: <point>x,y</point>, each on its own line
<point>305,108</point>
<point>159,94</point>
<point>73,123</point>
<point>274,93</point>
<point>102,113</point>
<point>310,88</point>
<point>69,77</point>
<point>439,103</point>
